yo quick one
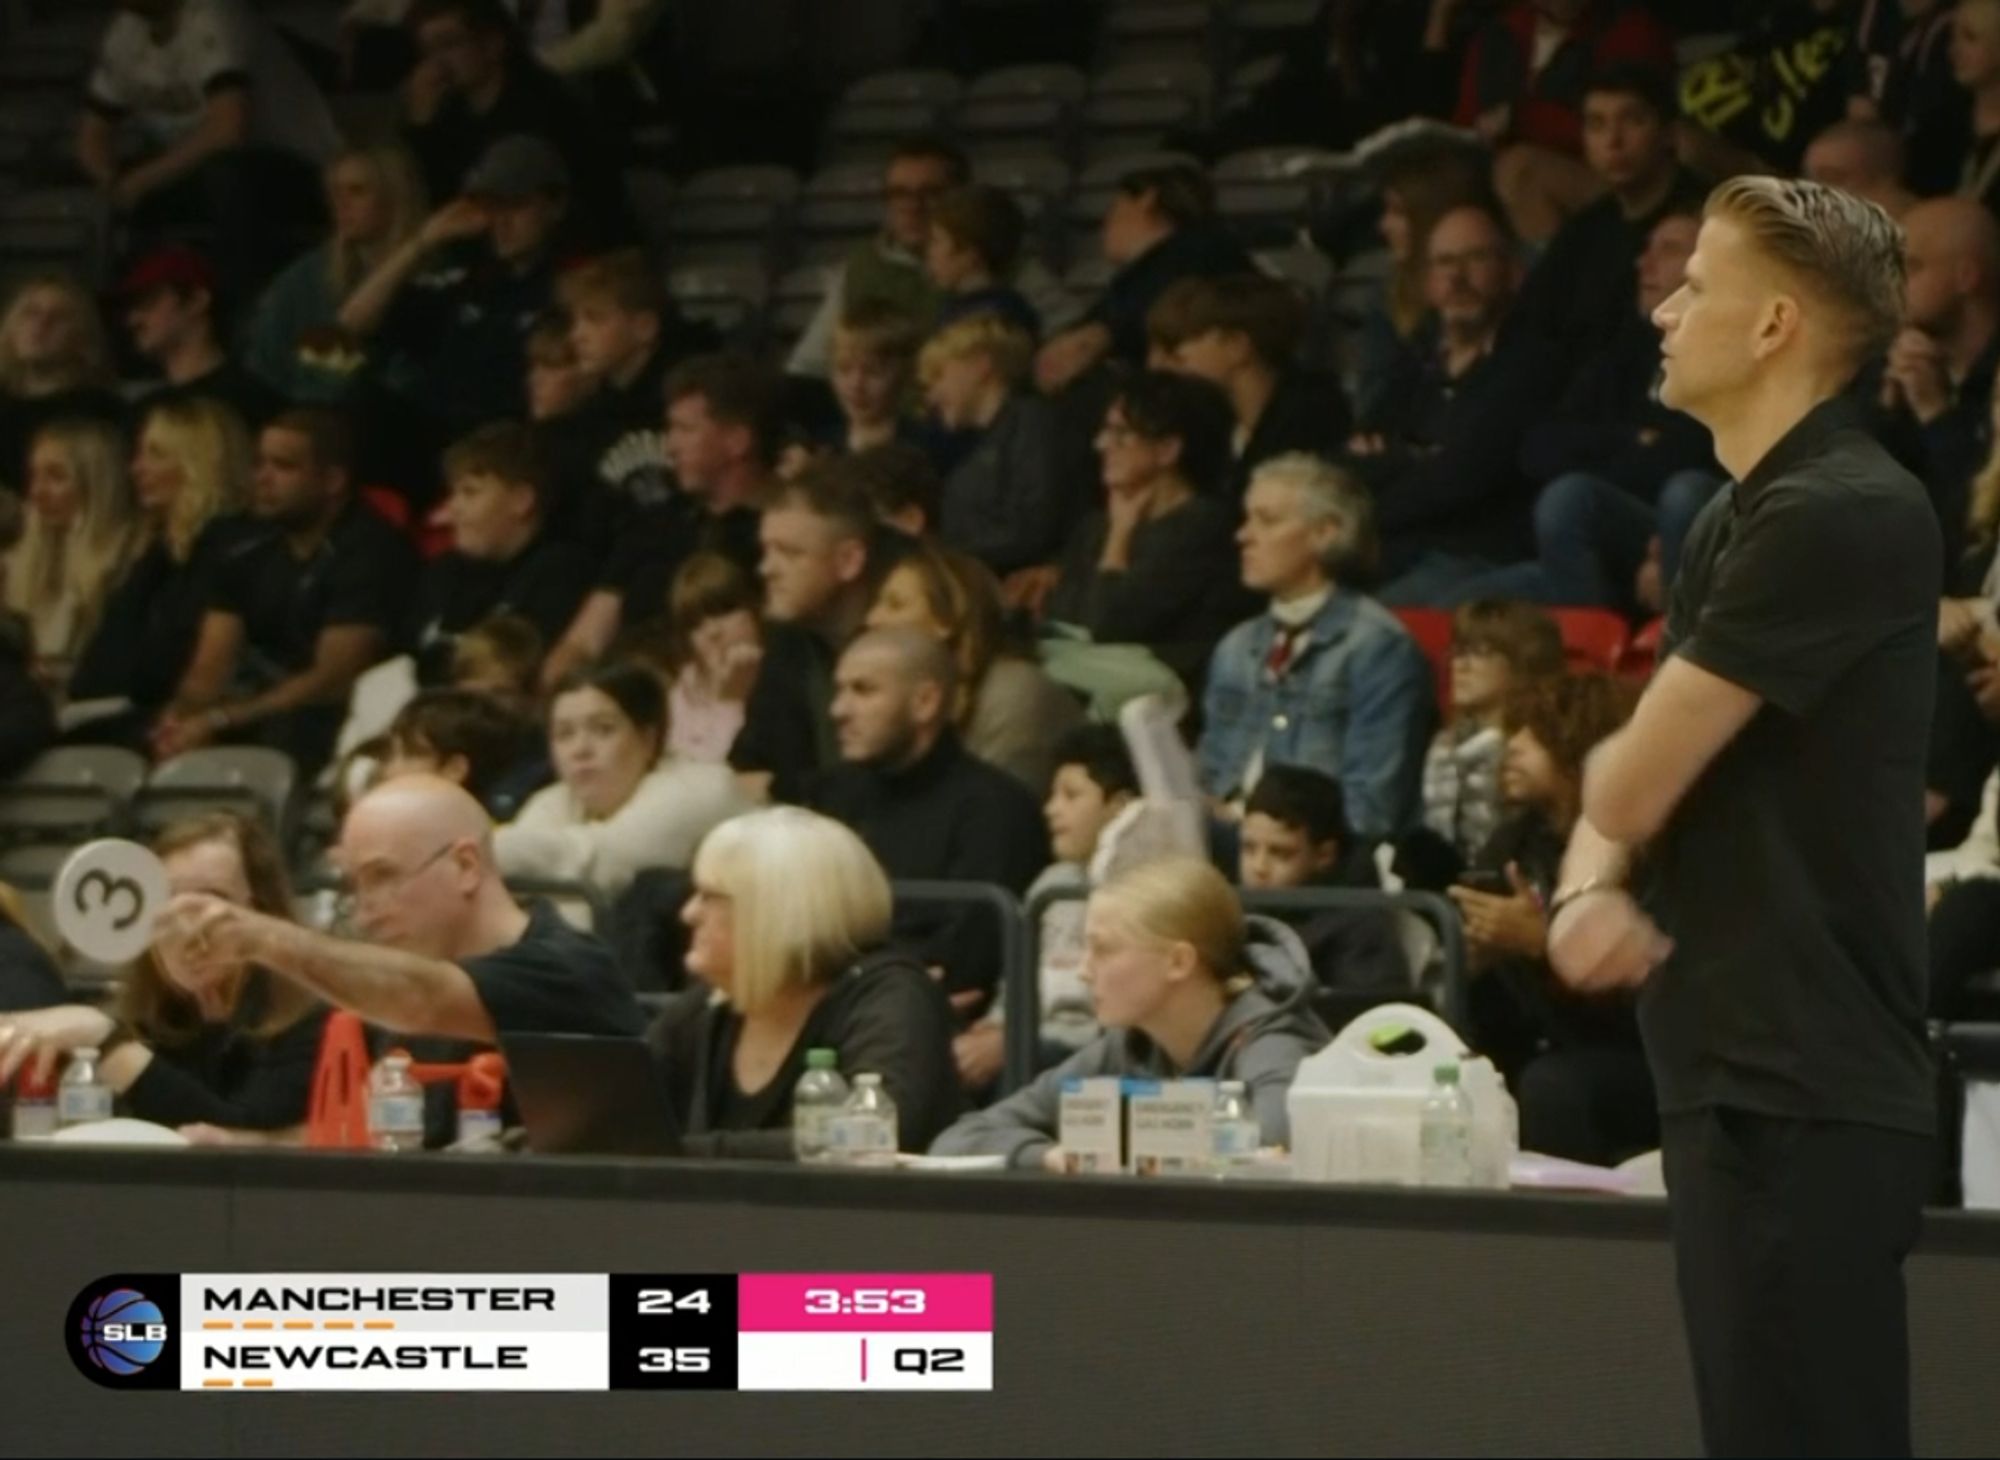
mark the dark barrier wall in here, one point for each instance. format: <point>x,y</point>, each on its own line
<point>1154,1319</point>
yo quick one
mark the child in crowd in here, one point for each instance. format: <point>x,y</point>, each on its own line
<point>1496,648</point>
<point>717,645</point>
<point>1574,1061</point>
<point>1094,782</point>
<point>1295,835</point>
<point>1000,503</point>
<point>874,364</point>
<point>500,657</point>
<point>469,738</point>
<point>974,246</point>
<point>558,383</point>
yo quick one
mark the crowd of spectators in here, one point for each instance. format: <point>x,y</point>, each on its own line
<point>739,639</point>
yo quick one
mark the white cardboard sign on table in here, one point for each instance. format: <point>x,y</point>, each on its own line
<point>107,897</point>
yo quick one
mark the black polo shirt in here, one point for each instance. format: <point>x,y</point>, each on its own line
<point>1791,876</point>
<point>360,574</point>
<point>543,583</point>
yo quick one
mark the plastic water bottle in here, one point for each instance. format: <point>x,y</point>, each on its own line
<point>1445,1133</point>
<point>864,1133</point>
<point>1233,1133</point>
<point>817,1102</point>
<point>34,1116</point>
<point>395,1105</point>
<point>83,1097</point>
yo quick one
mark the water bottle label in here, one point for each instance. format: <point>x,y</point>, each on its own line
<point>34,1120</point>
<point>1237,1140</point>
<point>474,1125</point>
<point>862,1134</point>
<point>80,1103</point>
<point>400,1113</point>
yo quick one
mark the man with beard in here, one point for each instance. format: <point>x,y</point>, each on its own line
<point>926,807</point>
<point>300,611</point>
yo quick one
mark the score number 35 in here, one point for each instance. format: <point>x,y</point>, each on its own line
<point>828,1301</point>
<point>660,1302</point>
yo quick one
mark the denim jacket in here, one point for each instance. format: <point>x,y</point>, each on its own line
<point>1356,703</point>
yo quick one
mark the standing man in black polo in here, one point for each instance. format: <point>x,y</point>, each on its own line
<point>1773,775</point>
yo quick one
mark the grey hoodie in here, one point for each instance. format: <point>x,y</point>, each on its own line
<point>1259,1038</point>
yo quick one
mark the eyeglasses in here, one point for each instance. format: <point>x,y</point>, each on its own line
<point>372,886</point>
<point>1471,258</point>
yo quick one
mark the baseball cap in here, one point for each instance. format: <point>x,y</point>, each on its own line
<point>172,266</point>
<point>520,166</point>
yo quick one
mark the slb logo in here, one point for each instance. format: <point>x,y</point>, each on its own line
<point>121,1335</point>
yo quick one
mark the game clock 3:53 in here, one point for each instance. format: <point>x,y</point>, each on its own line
<point>864,1302</point>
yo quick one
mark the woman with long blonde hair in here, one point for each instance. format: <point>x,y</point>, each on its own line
<point>375,196</point>
<point>54,362</point>
<point>190,475</point>
<point>79,532</point>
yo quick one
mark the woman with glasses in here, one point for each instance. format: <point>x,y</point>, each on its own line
<point>1157,564</point>
<point>787,925</point>
<point>1496,648</point>
<point>237,1056</point>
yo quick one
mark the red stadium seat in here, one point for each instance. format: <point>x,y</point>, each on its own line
<point>1594,639</point>
<point>1642,655</point>
<point>1431,628</point>
<point>388,505</point>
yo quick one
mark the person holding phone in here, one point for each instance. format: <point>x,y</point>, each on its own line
<point>1573,1061</point>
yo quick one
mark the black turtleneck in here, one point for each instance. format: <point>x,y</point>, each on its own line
<point>945,816</point>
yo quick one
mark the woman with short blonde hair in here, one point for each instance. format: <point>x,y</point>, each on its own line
<point>788,922</point>
<point>1185,987</point>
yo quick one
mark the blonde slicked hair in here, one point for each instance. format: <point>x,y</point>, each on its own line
<point>1849,252</point>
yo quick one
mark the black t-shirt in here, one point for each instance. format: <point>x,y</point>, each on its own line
<point>359,575</point>
<point>153,617</point>
<point>460,330</point>
<point>884,1016</point>
<point>228,1074</point>
<point>229,384</point>
<point>654,544</point>
<point>543,583</point>
<point>787,721</point>
<point>1791,876</point>
<point>555,980</point>
<point>1585,285</point>
<point>1788,82</point>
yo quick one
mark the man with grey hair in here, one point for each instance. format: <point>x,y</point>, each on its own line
<point>1774,774</point>
<point>1325,677</point>
<point>926,807</point>
<point>1864,158</point>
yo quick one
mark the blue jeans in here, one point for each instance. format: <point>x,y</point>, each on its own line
<point>1591,536</point>
<point>1435,579</point>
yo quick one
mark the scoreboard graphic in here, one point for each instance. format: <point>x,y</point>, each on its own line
<point>222,1333</point>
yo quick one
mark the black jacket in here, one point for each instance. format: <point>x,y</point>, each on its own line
<point>228,1075</point>
<point>1307,412</point>
<point>1195,250</point>
<point>884,1016</point>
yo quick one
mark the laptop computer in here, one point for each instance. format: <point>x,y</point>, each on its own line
<point>593,1095</point>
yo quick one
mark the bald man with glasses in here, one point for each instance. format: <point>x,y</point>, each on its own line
<point>448,951</point>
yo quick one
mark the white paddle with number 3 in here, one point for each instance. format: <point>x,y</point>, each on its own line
<point>107,898</point>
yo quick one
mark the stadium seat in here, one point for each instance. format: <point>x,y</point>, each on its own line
<point>33,866</point>
<point>72,793</point>
<point>1594,639</point>
<point>243,778</point>
<point>796,298</point>
<point>1098,183</point>
<point>579,903</point>
<point>1642,654</point>
<point>1164,77</point>
<point>1431,628</point>
<point>1257,27</point>
<point>649,193</point>
<point>1244,80</point>
<point>732,203</point>
<point>1040,175</point>
<point>1065,84</point>
<point>729,296</point>
<point>1138,119</point>
<point>1153,29</point>
<point>1267,193</point>
<point>842,201</point>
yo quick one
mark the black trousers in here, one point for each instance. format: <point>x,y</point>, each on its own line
<point>1789,1239</point>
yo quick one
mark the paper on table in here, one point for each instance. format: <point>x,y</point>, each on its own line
<point>1552,1173</point>
<point>912,1162</point>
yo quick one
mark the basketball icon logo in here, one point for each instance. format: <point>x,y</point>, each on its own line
<point>123,1331</point>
